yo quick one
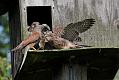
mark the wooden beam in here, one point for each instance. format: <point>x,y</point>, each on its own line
<point>69,64</point>
<point>15,36</point>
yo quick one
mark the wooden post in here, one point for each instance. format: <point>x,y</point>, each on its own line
<point>15,35</point>
<point>73,72</point>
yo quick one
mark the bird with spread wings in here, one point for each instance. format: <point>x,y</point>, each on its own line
<point>72,30</point>
<point>63,37</point>
<point>60,37</point>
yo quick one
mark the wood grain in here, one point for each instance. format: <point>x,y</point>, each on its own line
<point>102,34</point>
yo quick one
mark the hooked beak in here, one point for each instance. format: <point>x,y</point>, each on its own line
<point>28,28</point>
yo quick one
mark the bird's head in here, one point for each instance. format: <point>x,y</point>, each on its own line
<point>49,35</point>
<point>33,25</point>
<point>45,28</point>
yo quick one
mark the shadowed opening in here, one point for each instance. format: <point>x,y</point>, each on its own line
<point>42,14</point>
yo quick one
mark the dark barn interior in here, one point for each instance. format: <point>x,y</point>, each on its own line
<point>42,14</point>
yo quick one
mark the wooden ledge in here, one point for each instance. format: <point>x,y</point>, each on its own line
<point>94,58</point>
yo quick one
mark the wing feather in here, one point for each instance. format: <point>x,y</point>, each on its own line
<point>72,30</point>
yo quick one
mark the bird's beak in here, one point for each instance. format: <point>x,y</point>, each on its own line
<point>28,28</point>
<point>48,28</point>
<point>46,36</point>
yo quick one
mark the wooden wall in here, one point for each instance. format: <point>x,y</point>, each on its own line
<point>103,34</point>
<point>15,35</point>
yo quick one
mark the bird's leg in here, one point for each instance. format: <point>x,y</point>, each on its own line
<point>31,46</point>
<point>42,43</point>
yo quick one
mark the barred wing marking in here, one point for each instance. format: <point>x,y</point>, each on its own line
<point>72,30</point>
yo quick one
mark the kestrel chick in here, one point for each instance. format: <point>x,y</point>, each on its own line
<point>37,35</point>
<point>58,42</point>
<point>64,37</point>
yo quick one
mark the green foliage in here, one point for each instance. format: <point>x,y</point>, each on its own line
<point>4,35</point>
<point>4,69</point>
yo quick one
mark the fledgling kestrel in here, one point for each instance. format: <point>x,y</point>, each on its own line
<point>63,37</point>
<point>58,42</point>
<point>72,31</point>
<point>42,29</point>
<point>37,35</point>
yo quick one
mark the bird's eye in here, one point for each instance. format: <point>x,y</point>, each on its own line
<point>34,24</point>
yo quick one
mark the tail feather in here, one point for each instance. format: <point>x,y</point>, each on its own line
<point>19,47</point>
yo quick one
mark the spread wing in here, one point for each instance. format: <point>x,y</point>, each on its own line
<point>57,31</point>
<point>72,30</point>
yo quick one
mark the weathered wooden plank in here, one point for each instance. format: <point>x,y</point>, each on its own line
<point>15,35</point>
<point>102,34</point>
<point>23,18</point>
<point>70,65</point>
<point>71,71</point>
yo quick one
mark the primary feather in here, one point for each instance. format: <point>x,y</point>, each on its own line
<point>73,30</point>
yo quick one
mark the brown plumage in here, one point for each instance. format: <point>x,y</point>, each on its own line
<point>72,31</point>
<point>58,42</point>
<point>63,37</point>
<point>36,36</point>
